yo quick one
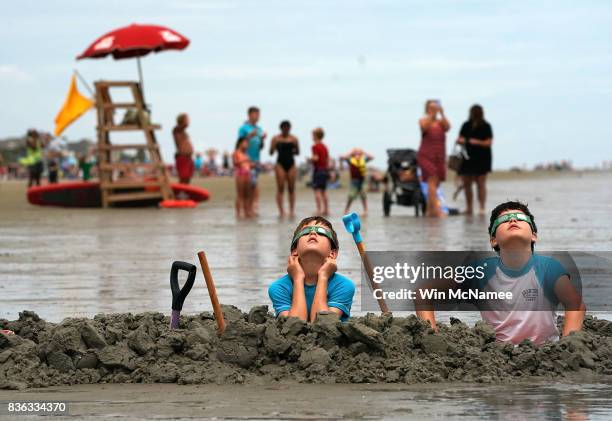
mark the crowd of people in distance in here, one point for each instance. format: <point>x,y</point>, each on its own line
<point>245,163</point>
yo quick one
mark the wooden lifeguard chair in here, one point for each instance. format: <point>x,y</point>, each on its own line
<point>151,180</point>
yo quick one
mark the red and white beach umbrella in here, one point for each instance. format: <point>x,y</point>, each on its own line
<point>135,41</point>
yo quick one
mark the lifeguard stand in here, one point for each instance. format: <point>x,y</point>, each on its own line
<point>128,181</point>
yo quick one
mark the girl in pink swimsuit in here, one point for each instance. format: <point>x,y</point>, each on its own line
<point>242,171</point>
<point>432,153</point>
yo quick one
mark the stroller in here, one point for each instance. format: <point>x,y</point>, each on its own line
<point>406,188</point>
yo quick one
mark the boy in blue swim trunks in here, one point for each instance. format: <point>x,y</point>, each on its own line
<point>312,284</point>
<point>537,283</point>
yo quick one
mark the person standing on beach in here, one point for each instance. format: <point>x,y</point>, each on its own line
<point>476,135</point>
<point>34,157</point>
<point>357,160</point>
<point>320,174</point>
<point>286,145</point>
<point>184,149</point>
<point>431,156</point>
<point>53,152</point>
<point>242,172</point>
<point>256,136</point>
<point>198,163</point>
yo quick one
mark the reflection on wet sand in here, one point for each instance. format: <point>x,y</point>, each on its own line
<point>80,262</point>
<point>543,401</point>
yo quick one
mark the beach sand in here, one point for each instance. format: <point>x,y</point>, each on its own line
<point>81,262</point>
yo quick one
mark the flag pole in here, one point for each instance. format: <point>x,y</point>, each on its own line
<point>84,82</point>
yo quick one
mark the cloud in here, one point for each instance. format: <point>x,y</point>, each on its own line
<point>12,73</point>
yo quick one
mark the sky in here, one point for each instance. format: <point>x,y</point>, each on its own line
<point>362,70</point>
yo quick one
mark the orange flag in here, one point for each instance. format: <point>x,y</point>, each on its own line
<point>74,106</point>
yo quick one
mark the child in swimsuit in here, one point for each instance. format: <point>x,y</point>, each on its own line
<point>286,145</point>
<point>357,160</point>
<point>242,171</point>
<point>320,173</point>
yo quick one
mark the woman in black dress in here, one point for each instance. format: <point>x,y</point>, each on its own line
<point>476,136</point>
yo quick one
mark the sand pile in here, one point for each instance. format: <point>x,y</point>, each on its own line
<point>120,348</point>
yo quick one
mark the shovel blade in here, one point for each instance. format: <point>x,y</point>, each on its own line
<point>353,225</point>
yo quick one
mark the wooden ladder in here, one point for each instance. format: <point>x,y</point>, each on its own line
<point>150,185</point>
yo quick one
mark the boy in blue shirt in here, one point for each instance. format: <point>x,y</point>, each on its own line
<point>312,284</point>
<point>537,283</point>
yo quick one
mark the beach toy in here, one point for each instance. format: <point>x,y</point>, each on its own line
<point>167,204</point>
<point>179,294</point>
<point>353,226</point>
<point>212,292</point>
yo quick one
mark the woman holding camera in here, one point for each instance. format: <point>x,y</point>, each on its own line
<point>431,156</point>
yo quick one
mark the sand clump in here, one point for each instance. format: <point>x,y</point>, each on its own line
<point>257,348</point>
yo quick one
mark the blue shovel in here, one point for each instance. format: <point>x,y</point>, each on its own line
<point>353,226</point>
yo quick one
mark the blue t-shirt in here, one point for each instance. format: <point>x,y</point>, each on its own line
<point>254,148</point>
<point>340,292</point>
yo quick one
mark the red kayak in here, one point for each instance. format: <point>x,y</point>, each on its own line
<point>83,194</point>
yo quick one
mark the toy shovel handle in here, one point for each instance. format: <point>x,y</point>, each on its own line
<point>179,294</point>
<point>353,225</point>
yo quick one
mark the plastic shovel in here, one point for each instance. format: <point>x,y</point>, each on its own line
<point>353,226</point>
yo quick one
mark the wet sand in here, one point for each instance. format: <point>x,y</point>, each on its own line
<point>76,262</point>
<point>543,400</point>
<point>81,262</point>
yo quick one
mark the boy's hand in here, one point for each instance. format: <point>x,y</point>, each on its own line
<point>294,269</point>
<point>328,268</point>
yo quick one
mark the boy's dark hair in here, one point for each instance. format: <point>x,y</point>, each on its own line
<point>512,205</point>
<point>319,220</point>
<point>252,110</point>
<point>285,123</point>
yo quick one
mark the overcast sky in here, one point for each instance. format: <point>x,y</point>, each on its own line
<point>360,69</point>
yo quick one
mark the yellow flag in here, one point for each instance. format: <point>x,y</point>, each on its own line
<point>74,106</point>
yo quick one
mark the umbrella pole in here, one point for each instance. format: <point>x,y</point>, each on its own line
<point>141,81</point>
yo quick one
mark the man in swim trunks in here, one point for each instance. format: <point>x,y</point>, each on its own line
<point>537,283</point>
<point>357,160</point>
<point>184,149</point>
<point>312,284</point>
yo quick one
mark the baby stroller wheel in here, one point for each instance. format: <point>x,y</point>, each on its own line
<point>386,203</point>
<point>417,199</point>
